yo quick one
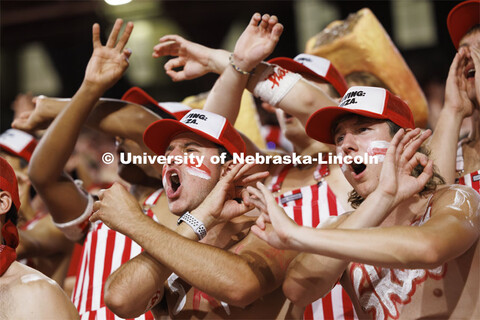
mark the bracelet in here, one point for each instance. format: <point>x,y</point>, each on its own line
<point>197,225</point>
<point>232,63</point>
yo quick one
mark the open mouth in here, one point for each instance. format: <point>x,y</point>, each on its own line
<point>470,73</point>
<point>175,181</point>
<point>358,167</point>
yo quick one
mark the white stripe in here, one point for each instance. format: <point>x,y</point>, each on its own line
<point>468,179</point>
<point>98,268</point>
<point>323,203</point>
<point>101,314</point>
<point>86,277</point>
<point>337,302</point>
<point>85,316</point>
<point>317,309</point>
<point>135,250</point>
<point>118,251</point>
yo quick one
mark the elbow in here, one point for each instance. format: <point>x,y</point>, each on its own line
<point>242,296</point>
<point>430,255</point>
<point>294,293</point>
<point>427,254</point>
<point>119,303</point>
<point>37,177</point>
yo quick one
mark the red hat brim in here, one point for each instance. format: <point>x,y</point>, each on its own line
<point>159,134</point>
<point>320,124</point>
<point>462,18</point>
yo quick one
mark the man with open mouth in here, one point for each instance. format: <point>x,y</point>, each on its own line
<point>421,260</point>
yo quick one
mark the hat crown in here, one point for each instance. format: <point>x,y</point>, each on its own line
<point>317,64</point>
<point>365,98</point>
<point>207,122</point>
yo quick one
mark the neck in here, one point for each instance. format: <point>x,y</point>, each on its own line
<point>309,146</point>
<point>475,133</point>
<point>140,192</point>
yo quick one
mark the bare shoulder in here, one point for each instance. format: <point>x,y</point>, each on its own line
<point>457,198</point>
<point>37,296</point>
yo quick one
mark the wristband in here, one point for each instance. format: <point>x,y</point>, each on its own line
<point>274,84</point>
<point>232,63</point>
<point>197,225</point>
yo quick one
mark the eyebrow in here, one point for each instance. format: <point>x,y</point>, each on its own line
<point>185,145</point>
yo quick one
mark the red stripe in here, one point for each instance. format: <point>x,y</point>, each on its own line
<point>109,314</point>
<point>327,306</point>
<point>91,267</point>
<point>278,184</point>
<point>475,184</point>
<point>308,313</point>
<point>347,306</point>
<point>461,180</point>
<point>92,315</point>
<point>79,281</point>
<point>298,202</point>
<point>332,202</point>
<point>274,135</point>
<point>315,208</point>
<point>126,250</point>
<point>107,269</point>
<point>297,215</point>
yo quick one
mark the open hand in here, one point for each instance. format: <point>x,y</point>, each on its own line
<point>194,59</point>
<point>396,180</point>
<point>228,199</point>
<point>257,42</point>
<point>282,228</point>
<point>456,96</point>
<point>109,62</point>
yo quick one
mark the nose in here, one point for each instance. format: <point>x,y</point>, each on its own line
<point>349,144</point>
<point>176,151</point>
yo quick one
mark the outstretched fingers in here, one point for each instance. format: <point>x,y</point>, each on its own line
<point>414,144</point>
<point>255,19</point>
<point>112,39</point>
<point>96,36</point>
<point>125,36</point>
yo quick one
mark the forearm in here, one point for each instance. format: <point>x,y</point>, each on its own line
<point>443,144</point>
<point>300,101</point>
<point>311,276</point>
<point>225,97</point>
<point>120,118</point>
<point>196,263</point>
<point>58,143</point>
<point>218,60</point>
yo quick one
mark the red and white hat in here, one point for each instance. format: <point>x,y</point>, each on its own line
<point>461,18</point>
<point>208,125</point>
<point>315,66</point>
<point>8,181</point>
<point>174,110</point>
<point>371,102</point>
<point>18,143</point>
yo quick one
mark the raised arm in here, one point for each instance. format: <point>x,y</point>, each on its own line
<point>457,107</point>
<point>181,253</point>
<point>255,44</point>
<point>305,283</point>
<point>113,117</point>
<point>64,199</point>
<point>300,99</point>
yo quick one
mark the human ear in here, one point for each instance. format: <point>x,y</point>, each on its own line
<point>226,167</point>
<point>5,202</point>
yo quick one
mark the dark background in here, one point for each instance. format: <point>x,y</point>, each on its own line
<point>64,28</point>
